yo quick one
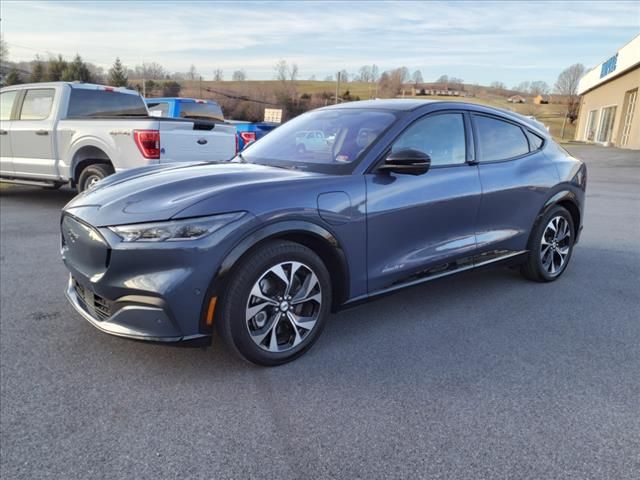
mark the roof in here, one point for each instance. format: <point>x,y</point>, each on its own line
<point>624,60</point>
<point>79,85</point>
<point>397,104</point>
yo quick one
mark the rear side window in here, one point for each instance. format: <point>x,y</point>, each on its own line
<point>6,104</point>
<point>441,136</point>
<point>37,104</point>
<point>498,140</point>
<point>104,103</point>
<point>160,109</point>
<point>535,142</point>
<point>201,111</point>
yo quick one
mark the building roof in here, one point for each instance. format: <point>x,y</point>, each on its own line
<point>626,58</point>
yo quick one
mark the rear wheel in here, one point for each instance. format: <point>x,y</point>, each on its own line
<point>550,246</point>
<point>92,175</point>
<point>276,303</point>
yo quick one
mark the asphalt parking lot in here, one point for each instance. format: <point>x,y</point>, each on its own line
<point>480,376</point>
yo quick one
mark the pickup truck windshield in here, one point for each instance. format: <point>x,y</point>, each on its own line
<point>323,141</point>
<point>104,103</point>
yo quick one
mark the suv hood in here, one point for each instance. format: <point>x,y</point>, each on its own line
<point>161,192</point>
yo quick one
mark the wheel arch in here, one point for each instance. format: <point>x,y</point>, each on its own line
<point>85,156</point>
<point>317,238</point>
<point>568,200</point>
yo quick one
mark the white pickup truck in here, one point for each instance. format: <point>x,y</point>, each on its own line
<point>65,132</point>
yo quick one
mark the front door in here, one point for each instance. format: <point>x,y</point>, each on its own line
<point>7,99</point>
<point>32,134</point>
<point>424,225</point>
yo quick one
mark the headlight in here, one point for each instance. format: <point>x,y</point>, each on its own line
<point>188,229</point>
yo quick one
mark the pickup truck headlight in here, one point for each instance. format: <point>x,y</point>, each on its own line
<point>188,229</point>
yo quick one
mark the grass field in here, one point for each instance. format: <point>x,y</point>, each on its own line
<point>551,115</point>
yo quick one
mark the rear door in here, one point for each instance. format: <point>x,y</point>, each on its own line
<point>7,102</point>
<point>516,177</point>
<point>32,134</point>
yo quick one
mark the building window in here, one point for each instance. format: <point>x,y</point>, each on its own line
<point>592,122</point>
<point>629,106</point>
<point>606,124</point>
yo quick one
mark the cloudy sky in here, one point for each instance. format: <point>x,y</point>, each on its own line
<point>477,41</point>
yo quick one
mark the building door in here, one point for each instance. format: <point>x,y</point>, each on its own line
<point>630,105</point>
<point>606,124</point>
<point>592,122</point>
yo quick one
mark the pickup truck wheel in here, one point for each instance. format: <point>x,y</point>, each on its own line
<point>92,174</point>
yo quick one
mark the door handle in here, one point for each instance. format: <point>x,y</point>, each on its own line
<point>42,132</point>
<point>3,132</point>
<point>202,141</point>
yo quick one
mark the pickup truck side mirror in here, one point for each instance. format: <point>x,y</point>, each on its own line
<point>408,161</point>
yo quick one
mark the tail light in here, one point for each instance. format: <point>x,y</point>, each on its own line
<point>148,142</point>
<point>248,137</point>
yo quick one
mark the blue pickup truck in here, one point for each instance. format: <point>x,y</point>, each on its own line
<point>196,109</point>
<point>249,132</point>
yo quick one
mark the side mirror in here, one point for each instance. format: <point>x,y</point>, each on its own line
<point>409,161</point>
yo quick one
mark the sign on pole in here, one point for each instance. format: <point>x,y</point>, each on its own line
<point>273,115</point>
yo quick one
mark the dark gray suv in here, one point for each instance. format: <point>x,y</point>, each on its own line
<point>263,248</point>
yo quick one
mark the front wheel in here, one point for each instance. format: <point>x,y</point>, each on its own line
<point>276,303</point>
<point>550,246</point>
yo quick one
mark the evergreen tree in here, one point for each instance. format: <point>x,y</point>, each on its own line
<point>37,71</point>
<point>13,78</point>
<point>76,71</point>
<point>56,69</point>
<point>118,75</point>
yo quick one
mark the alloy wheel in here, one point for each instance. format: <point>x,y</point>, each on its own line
<point>283,306</point>
<point>555,245</point>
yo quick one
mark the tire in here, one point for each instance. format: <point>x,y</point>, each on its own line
<point>93,173</point>
<point>546,261</point>
<point>249,323</point>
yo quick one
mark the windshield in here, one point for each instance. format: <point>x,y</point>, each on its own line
<point>325,141</point>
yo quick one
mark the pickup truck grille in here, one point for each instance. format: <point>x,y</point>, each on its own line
<point>97,306</point>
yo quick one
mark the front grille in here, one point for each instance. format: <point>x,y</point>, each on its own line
<point>93,303</point>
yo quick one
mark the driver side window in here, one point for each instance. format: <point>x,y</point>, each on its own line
<point>441,136</point>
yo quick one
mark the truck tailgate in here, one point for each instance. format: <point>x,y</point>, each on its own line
<point>188,141</point>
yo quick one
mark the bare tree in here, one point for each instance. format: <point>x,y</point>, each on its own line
<point>417,77</point>
<point>456,83</point>
<point>218,75</point>
<point>344,76</point>
<point>523,87</point>
<point>4,50</point>
<point>365,73</point>
<point>282,70</point>
<point>539,87</point>
<point>239,76</point>
<point>443,79</point>
<point>293,72</point>
<point>192,74</point>
<point>150,71</point>
<point>328,78</point>
<point>375,71</point>
<point>567,85</point>
<point>499,87</point>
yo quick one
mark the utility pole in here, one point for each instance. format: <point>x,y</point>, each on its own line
<point>200,95</point>
<point>337,87</point>
<point>144,88</point>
